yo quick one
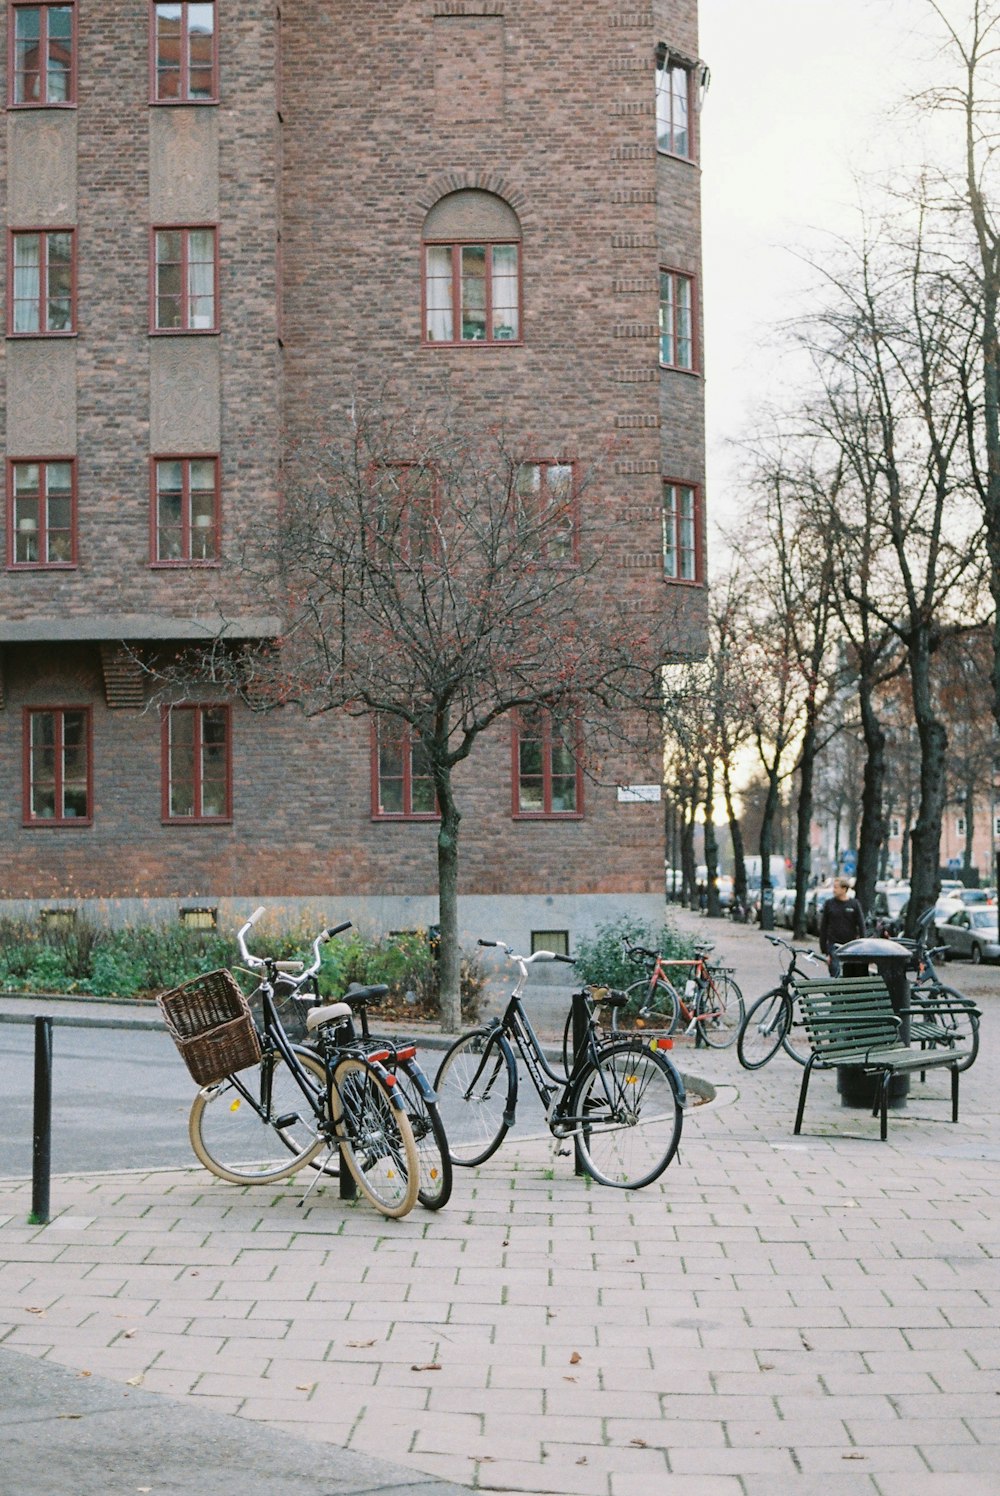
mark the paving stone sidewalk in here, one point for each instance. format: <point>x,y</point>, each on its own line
<point>814,1314</point>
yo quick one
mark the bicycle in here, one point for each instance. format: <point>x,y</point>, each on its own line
<point>622,1102</point>
<point>770,1022</point>
<point>709,1002</point>
<point>935,1007</point>
<point>268,1121</point>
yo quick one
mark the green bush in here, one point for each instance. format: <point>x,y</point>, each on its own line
<point>602,960</point>
<point>141,961</point>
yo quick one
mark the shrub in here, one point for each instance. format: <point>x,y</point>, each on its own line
<point>603,960</point>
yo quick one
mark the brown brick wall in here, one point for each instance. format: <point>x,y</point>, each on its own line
<point>564,132</point>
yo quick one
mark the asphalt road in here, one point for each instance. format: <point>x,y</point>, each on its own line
<point>120,1100</point>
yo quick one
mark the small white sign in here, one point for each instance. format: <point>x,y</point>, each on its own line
<point>635,794</point>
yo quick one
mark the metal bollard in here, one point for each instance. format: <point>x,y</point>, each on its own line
<point>41,1152</point>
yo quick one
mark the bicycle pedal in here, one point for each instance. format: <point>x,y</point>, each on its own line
<point>563,1152</point>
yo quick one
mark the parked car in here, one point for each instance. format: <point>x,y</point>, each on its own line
<point>815,899</point>
<point>889,906</point>
<point>725,886</point>
<point>972,932</point>
<point>784,907</point>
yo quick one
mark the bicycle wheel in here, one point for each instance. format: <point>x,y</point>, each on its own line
<point>476,1088</point>
<point>721,1011</point>
<point>627,1102</point>
<point>657,1009</point>
<point>795,1042</point>
<point>763,1029</point>
<point>375,1137</point>
<point>428,1134</point>
<point>962,1027</point>
<point>257,1126</point>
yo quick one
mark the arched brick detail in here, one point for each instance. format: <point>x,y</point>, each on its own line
<point>463,181</point>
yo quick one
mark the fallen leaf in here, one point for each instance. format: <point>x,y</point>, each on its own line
<point>428,1366</point>
<point>639,1443</point>
<point>575,1359</point>
<point>71,1415</point>
<point>30,1309</point>
<point>853,1456</point>
<point>127,1334</point>
<point>135,1381</point>
<point>582,1460</point>
<point>767,1366</point>
<point>569,1379</point>
<point>86,1373</point>
<point>360,1345</point>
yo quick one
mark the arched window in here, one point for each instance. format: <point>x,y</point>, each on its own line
<point>471,271</point>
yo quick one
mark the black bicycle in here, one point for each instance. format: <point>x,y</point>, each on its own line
<point>771,1023</point>
<point>622,1102</point>
<point>295,1105</point>
<point>938,1014</point>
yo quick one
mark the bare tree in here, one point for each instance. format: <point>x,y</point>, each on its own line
<point>427,581</point>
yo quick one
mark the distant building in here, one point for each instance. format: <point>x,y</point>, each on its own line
<point>222,223</point>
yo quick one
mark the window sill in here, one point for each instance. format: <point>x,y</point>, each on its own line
<point>196,820</point>
<point>684,581</point>
<point>478,343</point>
<point>680,369</point>
<point>42,565</point>
<point>547,815</point>
<point>184,332</point>
<point>184,564</point>
<point>44,823</point>
<point>20,337</point>
<point>33,104</point>
<point>384,817</point>
<point>677,156</point>
<point>184,103</point>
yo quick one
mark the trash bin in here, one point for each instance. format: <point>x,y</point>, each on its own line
<point>890,960</point>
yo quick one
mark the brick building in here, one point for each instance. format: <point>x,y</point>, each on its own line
<point>226,223</point>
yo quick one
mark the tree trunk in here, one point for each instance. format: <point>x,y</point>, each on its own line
<point>736,834</point>
<point>689,888</point>
<point>970,827</point>
<point>803,826</point>
<point>766,843</point>
<point>711,843</point>
<point>926,836</point>
<point>873,825</point>
<point>449,954</point>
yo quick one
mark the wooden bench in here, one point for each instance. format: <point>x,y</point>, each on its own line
<point>850,1022</point>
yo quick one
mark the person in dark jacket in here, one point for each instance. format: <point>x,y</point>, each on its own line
<point>843,919</point>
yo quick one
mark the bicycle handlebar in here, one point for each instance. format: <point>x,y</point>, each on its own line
<point>512,955</point>
<point>286,967</point>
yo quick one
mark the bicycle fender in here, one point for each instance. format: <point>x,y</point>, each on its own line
<point>389,1081</point>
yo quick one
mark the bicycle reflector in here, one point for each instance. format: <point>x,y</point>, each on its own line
<point>661,1043</point>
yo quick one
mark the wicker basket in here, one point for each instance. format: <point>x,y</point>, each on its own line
<point>210,1021</point>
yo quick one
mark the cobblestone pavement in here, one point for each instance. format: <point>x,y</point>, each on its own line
<point>813,1314</point>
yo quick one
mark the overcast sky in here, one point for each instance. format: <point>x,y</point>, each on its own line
<point>800,101</point>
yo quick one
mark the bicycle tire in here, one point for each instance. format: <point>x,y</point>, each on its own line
<point>795,1042</point>
<point>429,1135</point>
<point>964,1026</point>
<point>763,1029</point>
<point>629,1101</point>
<point>476,1087</point>
<point>232,1125</point>
<point>659,1011</point>
<point>720,1012</point>
<point>375,1137</point>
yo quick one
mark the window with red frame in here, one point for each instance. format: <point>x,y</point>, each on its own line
<point>680,532</point>
<point>41,508</point>
<point>676,319</point>
<point>184,279</point>
<point>545,492</point>
<point>403,502</point>
<point>673,108</point>
<point>185,510</point>
<point>42,300</point>
<point>548,774</point>
<point>401,779</point>
<point>197,773</point>
<point>472,293</point>
<point>185,53</point>
<point>42,55</point>
<point>57,770</point>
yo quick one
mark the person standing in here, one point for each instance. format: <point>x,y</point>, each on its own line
<point>843,919</point>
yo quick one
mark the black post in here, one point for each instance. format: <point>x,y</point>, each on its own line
<point>41,1154</point>
<point>581,1023</point>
